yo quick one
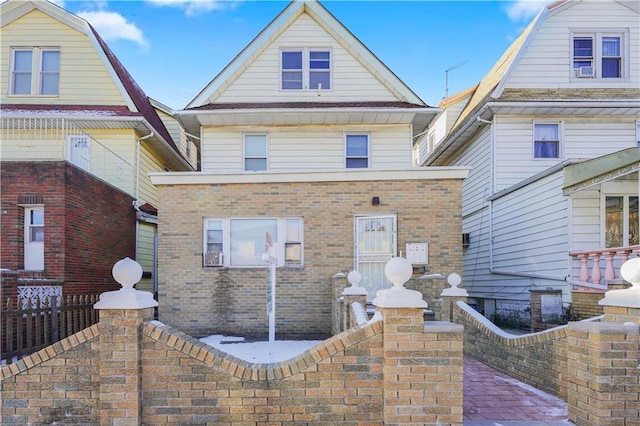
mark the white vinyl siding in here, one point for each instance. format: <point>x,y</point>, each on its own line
<point>547,60</point>
<point>83,76</point>
<point>530,228</point>
<point>260,80</point>
<point>582,137</point>
<point>309,148</point>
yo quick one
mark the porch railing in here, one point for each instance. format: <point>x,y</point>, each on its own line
<point>600,266</point>
<point>40,139</point>
<point>31,327</point>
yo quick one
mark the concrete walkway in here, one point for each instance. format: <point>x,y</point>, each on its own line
<point>492,398</point>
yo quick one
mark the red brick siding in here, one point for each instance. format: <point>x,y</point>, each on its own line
<point>88,224</point>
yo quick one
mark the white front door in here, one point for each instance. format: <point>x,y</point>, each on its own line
<point>78,151</point>
<point>34,238</point>
<point>375,244</point>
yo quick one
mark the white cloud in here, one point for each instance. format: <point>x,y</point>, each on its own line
<point>193,7</point>
<point>524,10</point>
<point>113,26</point>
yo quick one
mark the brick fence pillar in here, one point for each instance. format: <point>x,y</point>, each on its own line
<point>422,370</point>
<point>120,365</point>
<point>422,362</point>
<point>450,296</point>
<point>602,373</point>
<point>122,315</point>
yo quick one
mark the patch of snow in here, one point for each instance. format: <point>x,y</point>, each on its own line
<point>259,352</point>
<point>157,323</point>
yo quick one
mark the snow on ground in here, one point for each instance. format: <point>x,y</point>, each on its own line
<point>259,352</point>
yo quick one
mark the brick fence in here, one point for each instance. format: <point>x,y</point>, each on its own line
<point>593,365</point>
<point>128,370</point>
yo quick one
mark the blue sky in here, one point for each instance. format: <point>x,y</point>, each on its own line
<point>173,48</point>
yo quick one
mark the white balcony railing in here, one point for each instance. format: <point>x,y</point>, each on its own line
<point>601,266</point>
<point>46,139</point>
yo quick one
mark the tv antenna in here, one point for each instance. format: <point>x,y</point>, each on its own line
<point>446,76</point>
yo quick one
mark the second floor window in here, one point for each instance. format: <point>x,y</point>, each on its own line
<point>255,152</point>
<point>357,151</point>
<point>305,69</point>
<point>598,55</point>
<point>35,71</point>
<point>546,141</point>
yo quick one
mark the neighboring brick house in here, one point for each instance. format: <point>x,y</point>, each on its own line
<point>78,138</point>
<point>307,138</point>
<point>551,135</point>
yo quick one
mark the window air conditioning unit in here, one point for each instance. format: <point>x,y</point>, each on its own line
<point>584,72</point>
<point>213,258</point>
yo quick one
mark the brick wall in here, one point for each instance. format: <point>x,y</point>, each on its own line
<point>89,225</point>
<point>56,385</point>
<point>204,301</point>
<point>539,359</point>
<point>584,304</point>
<point>604,374</point>
<point>128,371</point>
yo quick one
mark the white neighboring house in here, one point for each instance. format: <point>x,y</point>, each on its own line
<point>551,134</point>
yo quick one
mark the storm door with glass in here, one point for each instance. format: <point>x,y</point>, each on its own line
<point>375,244</point>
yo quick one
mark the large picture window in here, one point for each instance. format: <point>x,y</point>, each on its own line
<point>305,69</point>
<point>35,71</point>
<point>240,242</point>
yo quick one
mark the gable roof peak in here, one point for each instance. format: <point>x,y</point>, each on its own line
<point>329,22</point>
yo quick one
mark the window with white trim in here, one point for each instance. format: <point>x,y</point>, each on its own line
<point>240,242</point>
<point>357,151</point>
<point>305,69</point>
<point>599,55</point>
<point>546,140</point>
<point>35,71</point>
<point>255,152</point>
<point>34,233</point>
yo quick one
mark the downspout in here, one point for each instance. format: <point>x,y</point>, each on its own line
<point>491,183</point>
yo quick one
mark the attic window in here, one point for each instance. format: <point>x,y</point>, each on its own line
<point>305,69</point>
<point>599,55</point>
<point>35,71</point>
